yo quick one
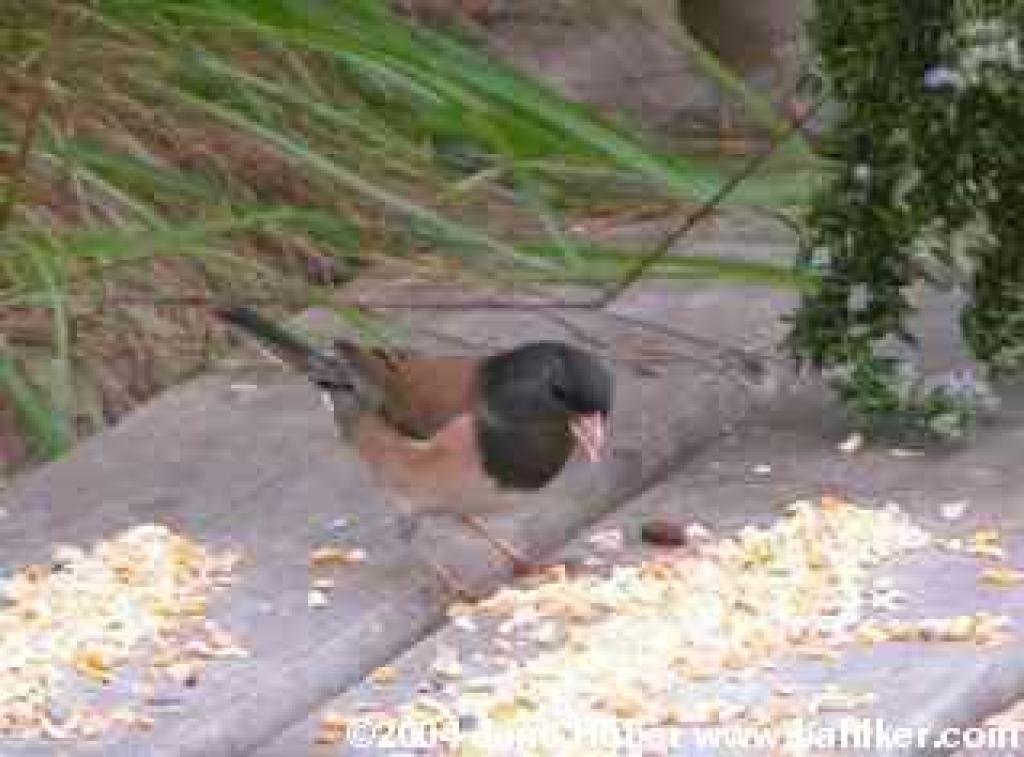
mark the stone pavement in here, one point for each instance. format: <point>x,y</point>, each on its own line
<point>743,479</point>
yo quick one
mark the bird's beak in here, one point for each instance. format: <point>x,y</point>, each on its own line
<point>589,432</point>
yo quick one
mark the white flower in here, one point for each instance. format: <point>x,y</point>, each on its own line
<point>940,77</point>
<point>858,298</point>
<point>988,49</point>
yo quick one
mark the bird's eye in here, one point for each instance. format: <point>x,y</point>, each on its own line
<point>329,385</point>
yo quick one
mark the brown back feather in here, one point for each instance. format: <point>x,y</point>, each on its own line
<point>420,394</point>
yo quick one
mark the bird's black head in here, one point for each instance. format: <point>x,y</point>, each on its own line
<point>538,402</point>
<point>545,380</point>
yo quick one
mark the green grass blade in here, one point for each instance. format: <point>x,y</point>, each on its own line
<point>45,427</point>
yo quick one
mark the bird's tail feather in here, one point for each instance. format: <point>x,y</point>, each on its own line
<point>325,369</point>
<point>284,344</point>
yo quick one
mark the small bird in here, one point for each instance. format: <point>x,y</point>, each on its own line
<point>460,436</point>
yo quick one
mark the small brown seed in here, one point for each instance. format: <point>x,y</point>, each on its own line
<point>663,533</point>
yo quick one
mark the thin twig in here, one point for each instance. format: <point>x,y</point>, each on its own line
<point>675,235</point>
<point>360,303</point>
<point>727,352</point>
<point>746,357</point>
<point>608,350</point>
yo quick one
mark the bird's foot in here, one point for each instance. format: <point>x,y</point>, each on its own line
<point>452,586</point>
<point>521,566</point>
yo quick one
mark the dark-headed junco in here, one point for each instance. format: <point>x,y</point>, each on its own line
<point>455,435</point>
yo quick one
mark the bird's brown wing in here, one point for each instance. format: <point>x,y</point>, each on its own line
<point>420,395</point>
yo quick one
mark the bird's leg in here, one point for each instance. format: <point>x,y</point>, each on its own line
<point>406,525</point>
<point>520,565</point>
<point>451,584</point>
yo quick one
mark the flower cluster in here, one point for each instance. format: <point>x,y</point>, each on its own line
<point>985,54</point>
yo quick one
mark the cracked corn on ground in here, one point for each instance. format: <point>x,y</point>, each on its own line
<point>629,646</point>
<point>89,612</point>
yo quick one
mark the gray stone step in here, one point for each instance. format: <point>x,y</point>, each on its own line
<point>930,687</point>
<point>261,470</point>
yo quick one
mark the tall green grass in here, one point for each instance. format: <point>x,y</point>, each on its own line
<point>202,148</point>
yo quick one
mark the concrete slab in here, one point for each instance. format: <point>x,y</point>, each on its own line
<point>261,470</point>
<point>743,479</point>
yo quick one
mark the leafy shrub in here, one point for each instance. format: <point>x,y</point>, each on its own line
<point>929,187</point>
